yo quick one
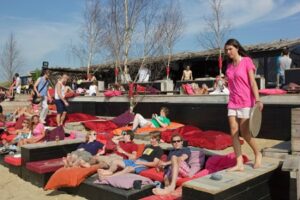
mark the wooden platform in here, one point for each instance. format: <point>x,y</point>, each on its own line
<point>208,112</point>
<point>249,184</point>
<point>48,150</point>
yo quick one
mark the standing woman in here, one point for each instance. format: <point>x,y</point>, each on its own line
<point>242,98</point>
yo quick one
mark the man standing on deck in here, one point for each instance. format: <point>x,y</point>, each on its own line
<point>60,100</point>
<point>41,89</point>
<point>284,63</point>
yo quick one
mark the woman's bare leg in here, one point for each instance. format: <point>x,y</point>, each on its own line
<point>234,131</point>
<point>244,125</point>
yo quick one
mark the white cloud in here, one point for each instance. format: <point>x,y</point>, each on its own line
<point>239,13</point>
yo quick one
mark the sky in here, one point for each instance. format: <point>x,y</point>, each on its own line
<point>44,29</point>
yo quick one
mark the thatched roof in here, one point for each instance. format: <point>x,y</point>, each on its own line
<point>212,54</point>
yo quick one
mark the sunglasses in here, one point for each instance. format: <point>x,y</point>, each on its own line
<point>124,133</point>
<point>176,141</point>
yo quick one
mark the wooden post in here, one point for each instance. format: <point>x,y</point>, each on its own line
<point>295,130</point>
<point>292,164</point>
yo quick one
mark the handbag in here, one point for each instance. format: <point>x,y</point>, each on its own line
<point>35,98</point>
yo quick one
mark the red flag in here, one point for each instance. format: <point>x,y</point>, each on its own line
<point>131,89</point>
<point>168,70</point>
<point>116,72</point>
<point>220,62</point>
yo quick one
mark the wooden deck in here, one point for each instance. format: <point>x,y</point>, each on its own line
<point>208,112</point>
<point>248,184</point>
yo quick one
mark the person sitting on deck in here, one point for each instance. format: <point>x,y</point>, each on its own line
<point>125,149</point>
<point>84,155</point>
<point>155,122</point>
<point>143,74</point>
<point>37,131</point>
<point>177,159</point>
<point>220,86</point>
<point>93,89</point>
<point>150,158</point>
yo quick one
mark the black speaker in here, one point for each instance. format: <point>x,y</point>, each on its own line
<point>45,64</point>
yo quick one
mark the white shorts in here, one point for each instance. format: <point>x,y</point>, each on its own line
<point>243,113</point>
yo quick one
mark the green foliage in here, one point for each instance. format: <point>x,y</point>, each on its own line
<point>36,74</point>
<point>5,84</point>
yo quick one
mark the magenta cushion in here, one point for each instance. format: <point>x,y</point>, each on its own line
<point>123,119</point>
<point>45,166</point>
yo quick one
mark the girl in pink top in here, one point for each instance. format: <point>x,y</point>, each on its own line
<point>37,130</point>
<point>243,96</point>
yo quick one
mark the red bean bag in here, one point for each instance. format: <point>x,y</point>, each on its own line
<point>8,137</point>
<point>112,93</point>
<point>73,117</point>
<point>15,161</point>
<point>185,131</point>
<point>100,126</point>
<point>45,166</point>
<point>215,140</point>
<point>219,162</point>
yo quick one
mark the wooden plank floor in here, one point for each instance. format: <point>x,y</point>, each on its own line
<point>231,179</point>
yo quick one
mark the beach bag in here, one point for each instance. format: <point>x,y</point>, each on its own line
<point>35,98</point>
<point>55,134</point>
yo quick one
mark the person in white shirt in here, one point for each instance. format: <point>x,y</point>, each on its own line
<point>284,62</point>
<point>60,100</point>
<point>18,84</point>
<point>144,74</point>
<point>125,76</point>
<point>93,89</point>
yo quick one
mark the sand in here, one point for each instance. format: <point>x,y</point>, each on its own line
<point>14,188</point>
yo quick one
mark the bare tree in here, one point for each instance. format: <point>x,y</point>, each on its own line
<point>217,28</point>
<point>173,25</point>
<point>150,31</point>
<point>10,59</point>
<point>133,9</point>
<point>114,31</point>
<point>91,34</point>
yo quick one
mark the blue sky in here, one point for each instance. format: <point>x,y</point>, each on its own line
<point>44,29</point>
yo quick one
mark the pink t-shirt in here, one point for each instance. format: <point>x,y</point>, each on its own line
<point>241,95</point>
<point>37,131</point>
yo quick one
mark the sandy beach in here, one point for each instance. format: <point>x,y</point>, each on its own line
<point>14,188</point>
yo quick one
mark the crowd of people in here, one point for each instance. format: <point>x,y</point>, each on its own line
<point>243,96</point>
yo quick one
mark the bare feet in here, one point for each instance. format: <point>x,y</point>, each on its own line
<point>236,168</point>
<point>104,172</point>
<point>257,163</point>
<point>165,191</point>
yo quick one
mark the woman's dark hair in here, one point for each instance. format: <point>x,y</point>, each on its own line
<point>236,44</point>
<point>130,133</point>
<point>17,75</point>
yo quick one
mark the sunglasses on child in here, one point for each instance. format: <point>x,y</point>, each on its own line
<point>176,141</point>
